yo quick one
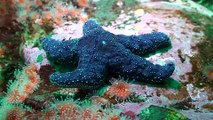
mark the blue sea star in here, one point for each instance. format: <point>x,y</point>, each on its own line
<point>100,55</point>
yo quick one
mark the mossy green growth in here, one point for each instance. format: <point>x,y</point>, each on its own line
<point>205,47</point>
<point>207,3</point>
<point>172,84</point>
<point>32,34</point>
<point>205,56</point>
<point>39,58</point>
<point>108,11</point>
<point>159,113</point>
<point>7,70</point>
<point>104,11</point>
<point>168,84</point>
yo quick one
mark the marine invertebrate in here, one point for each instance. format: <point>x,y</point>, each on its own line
<point>13,111</point>
<point>67,109</point>
<point>27,81</point>
<point>120,89</point>
<point>96,112</point>
<point>16,113</point>
<point>90,114</point>
<point>75,110</point>
<point>100,55</point>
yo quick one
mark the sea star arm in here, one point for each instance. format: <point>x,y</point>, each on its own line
<point>61,53</point>
<point>139,44</point>
<point>85,76</point>
<point>144,71</point>
<point>90,26</point>
<point>146,43</point>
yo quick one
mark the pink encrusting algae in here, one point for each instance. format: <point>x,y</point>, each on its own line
<point>29,93</point>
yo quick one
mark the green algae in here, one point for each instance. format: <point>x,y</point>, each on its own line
<point>33,33</point>
<point>207,3</point>
<point>168,84</point>
<point>107,11</point>
<point>39,58</point>
<point>160,113</point>
<point>205,56</point>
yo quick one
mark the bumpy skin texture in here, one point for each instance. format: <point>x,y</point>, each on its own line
<point>100,55</point>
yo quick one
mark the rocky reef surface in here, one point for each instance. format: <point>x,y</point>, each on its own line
<point>187,96</point>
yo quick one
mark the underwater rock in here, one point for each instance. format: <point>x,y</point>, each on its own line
<point>194,115</point>
<point>99,55</point>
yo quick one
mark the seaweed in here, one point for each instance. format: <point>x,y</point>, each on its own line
<point>204,59</point>
<point>207,3</point>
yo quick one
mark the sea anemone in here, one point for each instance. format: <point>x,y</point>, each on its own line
<point>120,90</point>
